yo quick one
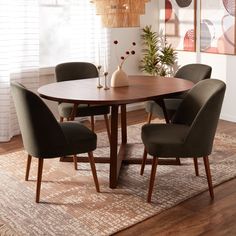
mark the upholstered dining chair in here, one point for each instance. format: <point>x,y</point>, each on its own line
<point>45,138</point>
<point>74,71</point>
<point>191,72</point>
<point>191,132</point>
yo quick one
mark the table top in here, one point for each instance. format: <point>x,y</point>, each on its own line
<point>141,88</point>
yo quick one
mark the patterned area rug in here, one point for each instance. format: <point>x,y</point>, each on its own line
<point>71,206</point>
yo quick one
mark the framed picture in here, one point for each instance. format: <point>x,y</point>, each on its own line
<point>180,24</point>
<point>218,26</point>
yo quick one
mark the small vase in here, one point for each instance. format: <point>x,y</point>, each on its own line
<point>119,78</point>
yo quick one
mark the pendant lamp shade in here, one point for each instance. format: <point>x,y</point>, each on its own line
<point>120,13</point>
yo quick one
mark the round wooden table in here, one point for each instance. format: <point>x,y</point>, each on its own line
<point>141,88</point>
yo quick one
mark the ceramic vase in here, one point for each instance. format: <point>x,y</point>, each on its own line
<point>119,78</point>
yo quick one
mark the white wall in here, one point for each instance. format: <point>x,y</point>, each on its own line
<point>126,36</point>
<point>223,66</point>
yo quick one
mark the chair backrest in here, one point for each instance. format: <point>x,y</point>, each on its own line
<point>75,70</point>
<point>200,110</point>
<point>194,72</point>
<point>42,136</point>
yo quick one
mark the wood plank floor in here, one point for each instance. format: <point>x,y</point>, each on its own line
<point>196,216</point>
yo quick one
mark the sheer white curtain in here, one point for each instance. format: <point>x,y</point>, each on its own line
<point>19,56</point>
<point>43,33</point>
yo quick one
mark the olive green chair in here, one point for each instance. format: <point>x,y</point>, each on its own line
<point>74,71</point>
<point>191,72</point>
<point>43,137</point>
<point>191,132</point>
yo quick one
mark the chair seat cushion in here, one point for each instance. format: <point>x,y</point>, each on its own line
<point>65,110</point>
<point>79,138</point>
<point>165,140</point>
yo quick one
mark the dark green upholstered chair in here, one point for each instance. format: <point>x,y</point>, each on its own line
<point>74,71</point>
<point>43,137</point>
<point>192,72</point>
<point>191,132</point>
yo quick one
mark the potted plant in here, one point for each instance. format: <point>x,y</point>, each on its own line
<point>158,56</point>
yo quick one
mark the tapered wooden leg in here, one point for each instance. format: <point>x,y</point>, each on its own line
<point>152,178</point>
<point>115,162</point>
<point>61,119</point>
<point>208,174</point>
<point>143,161</point>
<point>108,127</point>
<point>196,166</point>
<point>123,119</point>
<point>75,162</point>
<point>68,118</point>
<point>73,112</point>
<point>94,172</point>
<point>28,167</point>
<point>39,178</point>
<point>92,123</point>
<point>149,118</point>
<point>178,161</point>
<point>161,103</point>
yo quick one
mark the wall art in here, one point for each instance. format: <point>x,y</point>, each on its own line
<point>180,24</point>
<point>218,26</point>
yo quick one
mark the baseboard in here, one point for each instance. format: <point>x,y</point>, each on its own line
<point>129,107</point>
<point>228,117</point>
<point>135,106</point>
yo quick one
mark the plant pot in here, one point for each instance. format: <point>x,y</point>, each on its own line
<point>119,78</point>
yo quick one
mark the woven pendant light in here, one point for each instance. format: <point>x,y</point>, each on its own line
<point>120,13</point>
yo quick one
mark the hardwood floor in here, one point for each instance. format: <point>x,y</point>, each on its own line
<point>196,216</point>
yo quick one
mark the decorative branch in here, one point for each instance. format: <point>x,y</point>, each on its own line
<point>129,52</point>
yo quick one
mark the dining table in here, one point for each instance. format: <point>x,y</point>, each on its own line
<point>141,88</point>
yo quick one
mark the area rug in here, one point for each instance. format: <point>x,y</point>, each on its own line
<point>71,206</point>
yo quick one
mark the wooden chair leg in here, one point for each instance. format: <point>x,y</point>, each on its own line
<point>208,174</point>
<point>143,161</point>
<point>68,118</point>
<point>196,166</point>
<point>61,119</point>
<point>152,178</point>
<point>149,118</point>
<point>94,172</point>
<point>28,167</point>
<point>178,161</point>
<point>108,127</point>
<point>92,123</point>
<point>39,178</point>
<point>75,162</point>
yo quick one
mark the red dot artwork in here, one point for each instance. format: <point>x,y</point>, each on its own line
<point>218,26</point>
<point>229,6</point>
<point>189,40</point>
<point>183,3</point>
<point>168,10</point>
<point>180,24</point>
<point>212,50</point>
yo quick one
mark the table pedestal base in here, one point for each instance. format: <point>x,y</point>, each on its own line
<point>122,156</point>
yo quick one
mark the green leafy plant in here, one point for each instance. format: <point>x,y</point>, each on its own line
<point>158,56</point>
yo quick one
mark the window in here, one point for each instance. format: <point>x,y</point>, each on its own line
<point>36,35</point>
<point>71,31</point>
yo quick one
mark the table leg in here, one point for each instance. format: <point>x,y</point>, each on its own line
<point>74,111</point>
<point>113,149</point>
<point>123,124</point>
<point>163,106</point>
